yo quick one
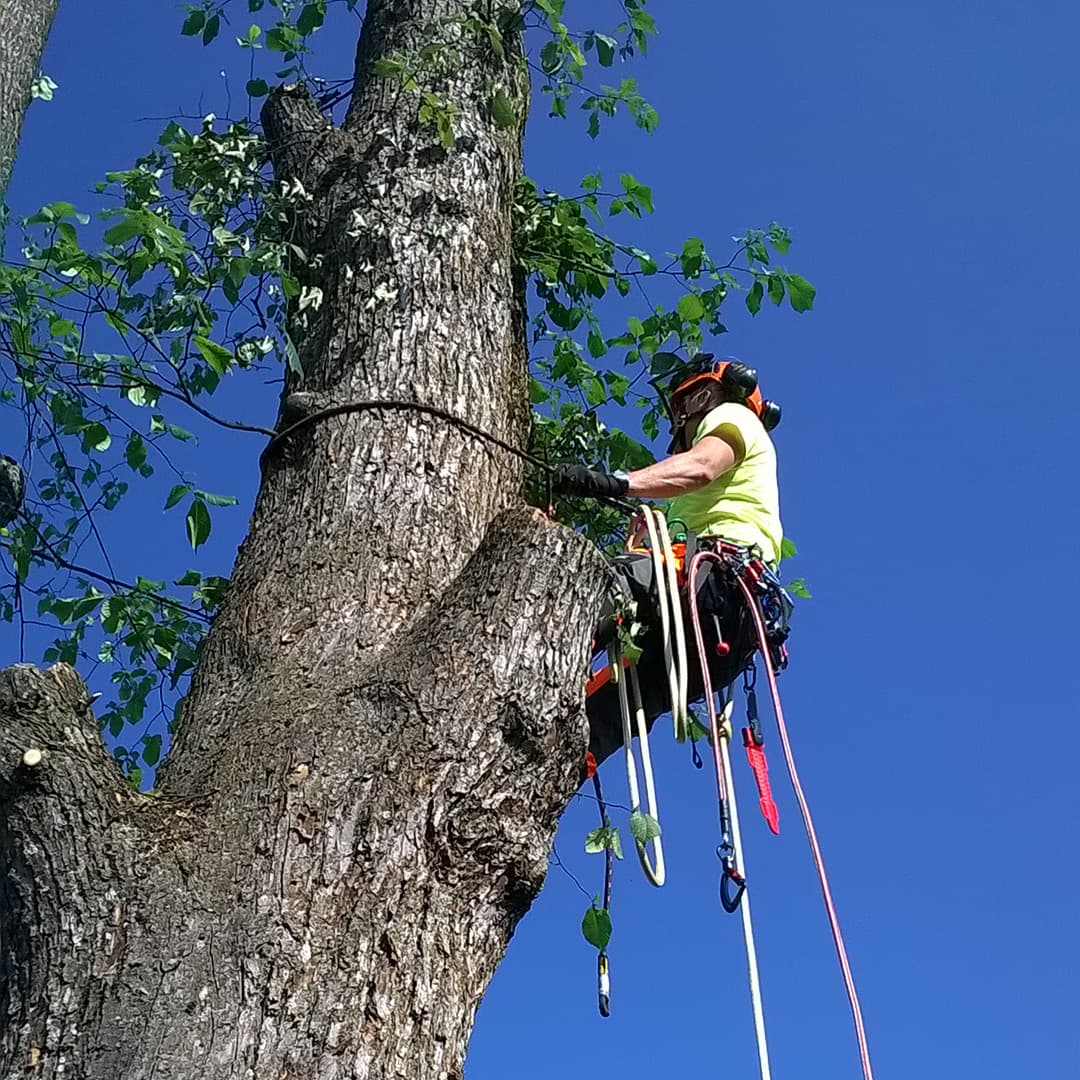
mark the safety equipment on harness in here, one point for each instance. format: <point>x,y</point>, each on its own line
<point>767,606</point>
<point>707,382</point>
<point>589,483</point>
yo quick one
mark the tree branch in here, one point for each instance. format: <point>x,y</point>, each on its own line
<point>302,141</point>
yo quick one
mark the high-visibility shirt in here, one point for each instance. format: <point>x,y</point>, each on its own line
<point>743,504</point>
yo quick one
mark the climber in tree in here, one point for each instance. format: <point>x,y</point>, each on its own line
<point>721,470</point>
<point>720,474</point>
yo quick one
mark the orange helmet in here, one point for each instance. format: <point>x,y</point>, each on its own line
<point>707,382</point>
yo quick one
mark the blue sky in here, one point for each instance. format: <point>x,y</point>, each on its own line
<point>926,159</point>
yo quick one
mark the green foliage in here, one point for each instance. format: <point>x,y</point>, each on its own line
<point>562,62</point>
<point>697,730</point>
<point>116,333</point>
<point>644,827</point>
<point>596,926</point>
<point>798,588</point>
<point>606,836</point>
<point>43,88</point>
<point>106,354</point>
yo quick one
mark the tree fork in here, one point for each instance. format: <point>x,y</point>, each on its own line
<point>387,719</point>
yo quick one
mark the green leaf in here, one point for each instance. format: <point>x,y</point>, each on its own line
<point>193,23</point>
<point>644,827</point>
<point>800,292</point>
<point>615,842</point>
<point>776,288</point>
<point>179,433</point>
<point>691,308</point>
<point>697,730</point>
<point>502,111</point>
<point>788,550</point>
<point>151,749</point>
<point>597,346</point>
<point>176,495</point>
<point>123,231</point>
<point>387,66</point>
<point>140,395</point>
<point>596,927</point>
<point>693,252</point>
<point>566,318</point>
<point>210,30</point>
<point>606,836</point>
<point>596,392</point>
<point>218,357</point>
<point>135,451</point>
<point>779,237</point>
<point>798,588</point>
<point>551,57</point>
<point>257,88</point>
<point>311,17</point>
<point>292,358</point>
<point>215,500</point>
<point>618,385</point>
<point>96,437</point>
<point>538,392</point>
<point>198,524</point>
<point>754,297</point>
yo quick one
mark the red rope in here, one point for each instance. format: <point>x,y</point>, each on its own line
<point>691,585</point>
<point>819,862</point>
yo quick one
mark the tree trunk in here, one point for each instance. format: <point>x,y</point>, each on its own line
<point>388,717</point>
<point>24,26</point>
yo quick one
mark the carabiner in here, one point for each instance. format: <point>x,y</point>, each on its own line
<point>729,901</point>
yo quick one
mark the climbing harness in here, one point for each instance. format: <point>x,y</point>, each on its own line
<point>769,607</point>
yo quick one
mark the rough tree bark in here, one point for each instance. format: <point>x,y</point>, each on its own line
<point>387,720</point>
<point>24,26</point>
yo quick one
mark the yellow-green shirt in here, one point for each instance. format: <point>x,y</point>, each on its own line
<point>743,504</point>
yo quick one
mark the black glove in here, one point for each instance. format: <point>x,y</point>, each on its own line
<point>577,480</point>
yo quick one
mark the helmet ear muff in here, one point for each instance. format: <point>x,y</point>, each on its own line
<point>739,381</point>
<point>770,414</point>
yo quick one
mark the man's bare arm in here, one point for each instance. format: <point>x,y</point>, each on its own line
<point>685,472</point>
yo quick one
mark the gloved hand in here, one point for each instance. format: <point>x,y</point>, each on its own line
<point>577,480</point>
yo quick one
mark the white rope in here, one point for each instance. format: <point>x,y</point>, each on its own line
<point>724,727</point>
<point>667,592</point>
<point>660,581</point>
<point>680,709</point>
<point>655,875</point>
